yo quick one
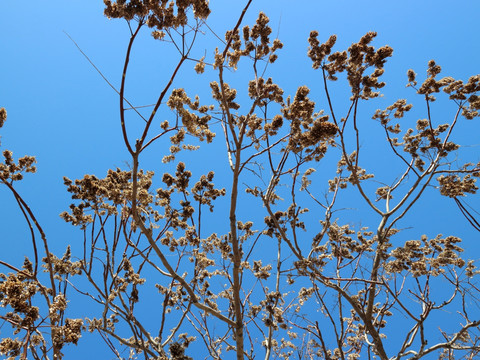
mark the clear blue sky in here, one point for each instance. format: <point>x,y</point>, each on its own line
<point>62,111</point>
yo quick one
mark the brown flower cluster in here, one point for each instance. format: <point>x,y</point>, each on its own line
<point>64,266</point>
<point>361,56</point>
<point>70,332</point>
<point>307,129</point>
<point>16,292</point>
<point>108,196</point>
<point>226,96</point>
<point>9,170</point>
<point>467,94</point>
<point>454,185</point>
<point>204,193</point>
<point>426,257</point>
<point>464,94</point>
<point>398,108</point>
<point>196,125</point>
<point>12,171</point>
<point>264,91</point>
<point>317,52</point>
<point>346,243</point>
<point>355,173</point>
<point>256,43</point>
<point>423,142</point>
<point>427,139</point>
<point>159,14</point>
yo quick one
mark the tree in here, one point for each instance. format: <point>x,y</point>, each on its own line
<point>333,290</point>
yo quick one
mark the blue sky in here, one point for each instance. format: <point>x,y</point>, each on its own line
<point>63,112</point>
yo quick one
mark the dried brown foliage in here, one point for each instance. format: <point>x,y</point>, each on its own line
<point>299,283</point>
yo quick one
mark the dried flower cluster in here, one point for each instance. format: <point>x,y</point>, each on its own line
<point>159,14</point>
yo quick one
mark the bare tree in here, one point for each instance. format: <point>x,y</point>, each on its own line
<point>290,279</point>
